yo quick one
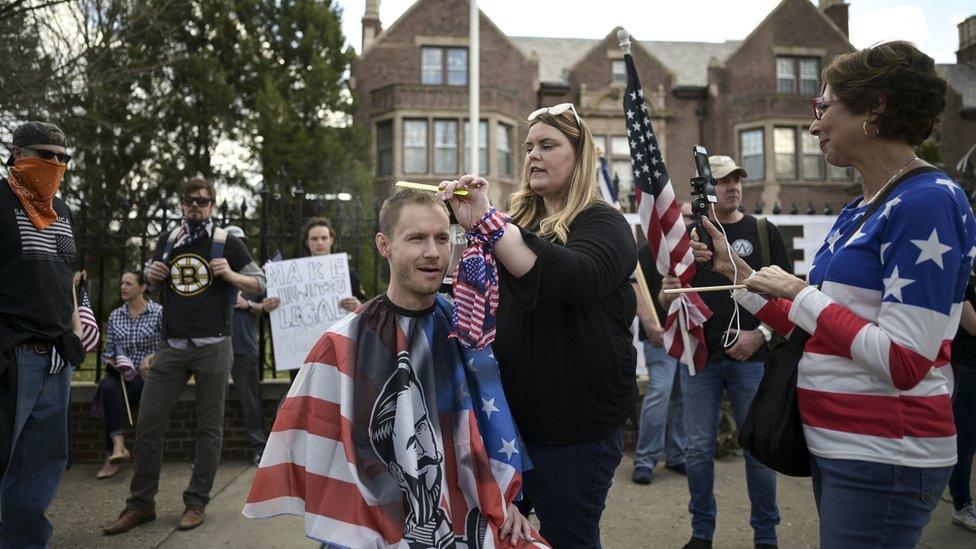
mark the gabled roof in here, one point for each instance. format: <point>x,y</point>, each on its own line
<point>687,60</point>
<point>962,77</point>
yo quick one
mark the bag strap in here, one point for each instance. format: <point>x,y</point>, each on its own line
<point>218,243</point>
<point>763,227</point>
<point>170,241</point>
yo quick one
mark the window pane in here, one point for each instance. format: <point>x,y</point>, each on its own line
<point>813,163</point>
<point>415,146</point>
<point>600,142</point>
<point>503,148</point>
<point>810,77</point>
<point>431,66</point>
<point>445,146</point>
<point>785,75</point>
<point>457,67</point>
<point>784,146</point>
<point>384,148</point>
<point>753,155</point>
<point>618,71</point>
<point>482,147</point>
<point>620,145</point>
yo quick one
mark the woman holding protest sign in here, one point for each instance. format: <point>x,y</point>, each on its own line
<point>564,313</point>
<point>883,303</point>
<point>318,238</point>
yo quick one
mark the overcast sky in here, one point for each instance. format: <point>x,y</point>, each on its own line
<point>931,24</point>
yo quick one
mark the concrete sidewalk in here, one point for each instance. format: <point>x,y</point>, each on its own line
<point>637,516</point>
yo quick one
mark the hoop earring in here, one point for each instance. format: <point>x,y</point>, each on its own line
<point>864,128</point>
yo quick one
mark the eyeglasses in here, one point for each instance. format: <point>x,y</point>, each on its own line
<point>51,155</point>
<point>556,110</point>
<point>200,201</point>
<point>820,106</point>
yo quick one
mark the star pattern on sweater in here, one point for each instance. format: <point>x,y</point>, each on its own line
<point>931,249</point>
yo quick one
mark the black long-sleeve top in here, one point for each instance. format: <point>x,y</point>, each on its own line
<point>563,341</point>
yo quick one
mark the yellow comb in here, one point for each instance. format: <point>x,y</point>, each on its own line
<point>426,187</point>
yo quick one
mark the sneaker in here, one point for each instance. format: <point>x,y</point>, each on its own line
<point>698,543</point>
<point>676,468</point>
<point>256,458</point>
<point>965,517</point>
<point>642,475</point>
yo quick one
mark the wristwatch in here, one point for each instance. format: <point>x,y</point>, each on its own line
<point>767,334</point>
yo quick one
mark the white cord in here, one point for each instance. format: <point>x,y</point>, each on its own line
<point>726,341</point>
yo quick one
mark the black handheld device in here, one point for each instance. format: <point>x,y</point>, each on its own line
<point>703,195</point>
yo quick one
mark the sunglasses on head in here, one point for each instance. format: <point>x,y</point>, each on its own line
<point>200,201</point>
<point>51,155</point>
<point>820,106</point>
<point>556,110</point>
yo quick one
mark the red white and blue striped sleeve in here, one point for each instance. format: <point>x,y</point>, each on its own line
<point>923,258</point>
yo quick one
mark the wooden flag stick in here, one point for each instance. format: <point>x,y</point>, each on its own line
<point>125,399</point>
<point>704,289</point>
<point>646,295</point>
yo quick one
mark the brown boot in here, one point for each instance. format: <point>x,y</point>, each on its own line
<point>192,517</point>
<point>128,519</point>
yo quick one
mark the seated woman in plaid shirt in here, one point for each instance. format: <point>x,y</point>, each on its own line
<point>133,333</point>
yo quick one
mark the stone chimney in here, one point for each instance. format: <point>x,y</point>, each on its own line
<point>836,11</point>
<point>967,41</point>
<point>371,24</point>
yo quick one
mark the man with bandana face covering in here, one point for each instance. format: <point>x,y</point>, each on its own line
<point>39,330</point>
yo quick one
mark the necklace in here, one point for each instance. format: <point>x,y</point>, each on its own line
<point>890,181</point>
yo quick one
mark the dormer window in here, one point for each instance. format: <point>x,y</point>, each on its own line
<point>798,75</point>
<point>618,72</point>
<point>444,66</point>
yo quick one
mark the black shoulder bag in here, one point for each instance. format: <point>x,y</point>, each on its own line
<point>772,430</point>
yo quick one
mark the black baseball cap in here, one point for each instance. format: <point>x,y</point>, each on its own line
<point>37,133</point>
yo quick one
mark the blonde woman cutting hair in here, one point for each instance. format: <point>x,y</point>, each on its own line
<point>563,333</point>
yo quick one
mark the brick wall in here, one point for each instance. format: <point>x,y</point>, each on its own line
<point>88,434</point>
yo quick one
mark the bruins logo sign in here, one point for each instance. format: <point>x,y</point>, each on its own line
<point>189,274</point>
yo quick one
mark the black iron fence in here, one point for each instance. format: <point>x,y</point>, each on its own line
<point>113,240</point>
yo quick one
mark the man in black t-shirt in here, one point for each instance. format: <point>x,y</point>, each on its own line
<point>198,269</point>
<point>735,369</point>
<point>39,329</point>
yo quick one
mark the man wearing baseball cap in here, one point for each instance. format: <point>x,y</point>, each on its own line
<point>39,329</point>
<point>734,365</point>
<point>246,369</point>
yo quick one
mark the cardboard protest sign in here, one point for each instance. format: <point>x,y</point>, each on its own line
<point>310,289</point>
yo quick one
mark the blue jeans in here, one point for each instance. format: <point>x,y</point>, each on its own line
<point>876,505</point>
<point>568,487</point>
<point>702,394</point>
<point>114,408</point>
<point>964,411</point>
<point>661,412</point>
<point>39,452</point>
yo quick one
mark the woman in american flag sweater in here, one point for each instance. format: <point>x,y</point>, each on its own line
<point>882,304</point>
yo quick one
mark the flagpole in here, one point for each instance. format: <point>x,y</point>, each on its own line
<point>474,85</point>
<point>623,37</point>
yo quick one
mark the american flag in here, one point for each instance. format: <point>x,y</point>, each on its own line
<point>393,435</point>
<point>476,284</point>
<point>660,215</point>
<point>89,326</point>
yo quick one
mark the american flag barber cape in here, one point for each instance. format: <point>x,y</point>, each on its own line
<point>393,435</point>
<point>660,215</point>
